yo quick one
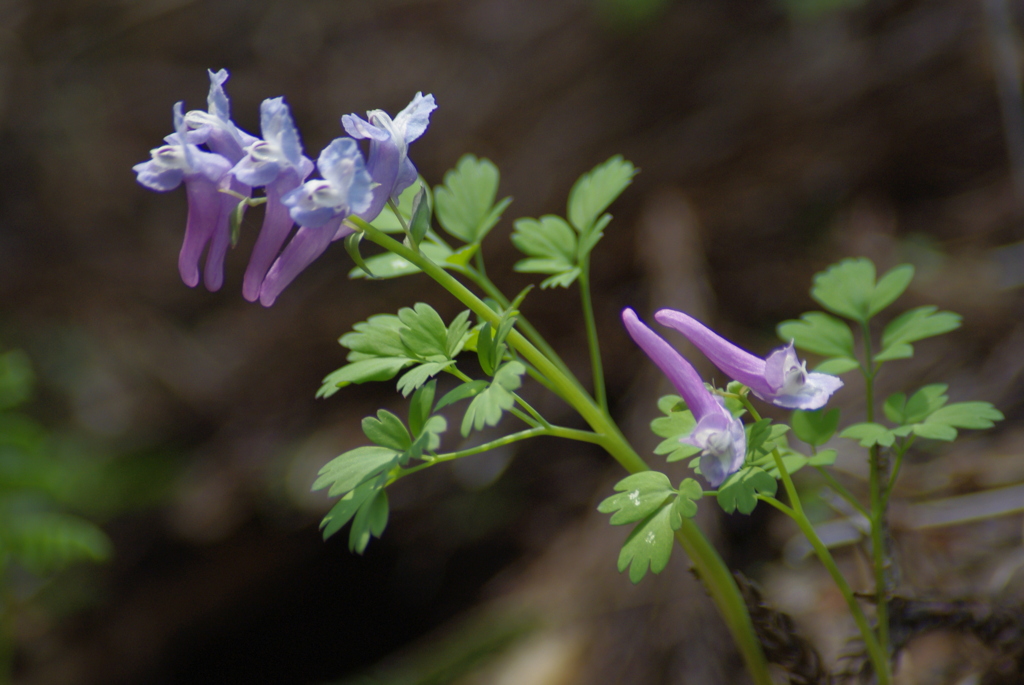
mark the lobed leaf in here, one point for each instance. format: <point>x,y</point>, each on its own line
<point>740,490</point>
<point>916,324</point>
<point>465,203</point>
<point>387,430</point>
<point>597,189</point>
<point>819,333</point>
<point>549,242</point>
<point>889,287</point>
<point>685,505</point>
<point>352,468</point>
<point>370,521</point>
<point>846,288</point>
<point>650,544</point>
<point>639,495</point>
<point>869,434</point>
<point>488,406</point>
<point>815,427</point>
<point>45,542</point>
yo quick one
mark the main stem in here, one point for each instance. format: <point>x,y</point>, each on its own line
<point>596,365</point>
<point>879,480</point>
<point>878,656</point>
<point>708,563</point>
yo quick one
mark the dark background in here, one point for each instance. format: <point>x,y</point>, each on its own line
<point>773,138</point>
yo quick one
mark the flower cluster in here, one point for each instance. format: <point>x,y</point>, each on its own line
<point>234,162</point>
<point>781,379</point>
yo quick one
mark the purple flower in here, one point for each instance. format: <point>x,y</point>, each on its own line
<point>204,175</point>
<point>319,207</point>
<point>389,164</point>
<point>781,379</point>
<point>277,163</point>
<point>718,434</point>
<point>214,127</point>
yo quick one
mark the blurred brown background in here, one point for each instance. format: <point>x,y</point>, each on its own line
<point>773,138</point>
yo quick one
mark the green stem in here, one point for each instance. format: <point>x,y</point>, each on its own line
<point>596,365</point>
<point>532,334</point>
<point>879,657</point>
<point>899,464</point>
<point>878,481</point>
<point>708,563</point>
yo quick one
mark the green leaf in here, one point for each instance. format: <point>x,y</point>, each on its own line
<point>916,324</point>
<point>869,434</point>
<point>345,472</point>
<point>562,280</point>
<point>819,333</point>
<point>379,336</point>
<point>889,287</point>
<point>45,542</point>
<point>387,430</point>
<point>823,458</point>
<point>464,202</point>
<point>386,220</point>
<point>685,505</point>
<point>549,242</point>
<point>650,544</point>
<point>597,189</point>
<point>815,427</point>
<point>918,407</point>
<point>942,423</point>
<point>421,406</point>
<point>668,404</point>
<point>370,520</point>
<point>488,406</point>
<point>420,222</point>
<point>639,495</point>
<point>462,392</point>
<point>352,247</point>
<point>846,288</point>
<point>417,376</point>
<point>343,511</point>
<point>934,431</point>
<point>675,426</point>
<point>425,334</point>
<point>793,461</point>
<point>390,265</point>
<point>362,371</point>
<point>837,366</point>
<point>16,378</point>
<point>757,433</point>
<point>739,490</point>
<point>461,256</point>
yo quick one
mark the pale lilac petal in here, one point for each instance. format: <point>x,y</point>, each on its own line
<point>358,128</point>
<point>277,224</point>
<point>407,175</point>
<point>814,394</point>
<point>305,246</point>
<point>413,120</point>
<point>157,176</point>
<point>220,241</point>
<point>383,166</point>
<point>679,371</point>
<point>723,444</point>
<point>738,364</point>
<point>204,209</point>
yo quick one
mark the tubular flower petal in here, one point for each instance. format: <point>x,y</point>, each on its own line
<point>277,163</point>
<point>389,163</point>
<point>719,435</point>
<point>319,207</point>
<point>204,175</point>
<point>781,379</point>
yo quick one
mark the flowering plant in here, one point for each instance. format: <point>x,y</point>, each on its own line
<point>740,456</point>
